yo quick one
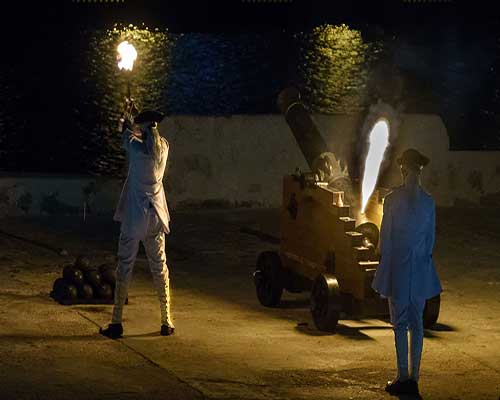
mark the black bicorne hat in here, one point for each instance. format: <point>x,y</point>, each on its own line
<point>414,158</point>
<point>149,116</point>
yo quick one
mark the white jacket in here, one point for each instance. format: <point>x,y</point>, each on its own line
<point>143,186</point>
<point>406,270</point>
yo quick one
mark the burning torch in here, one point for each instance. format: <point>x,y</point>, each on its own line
<point>127,54</point>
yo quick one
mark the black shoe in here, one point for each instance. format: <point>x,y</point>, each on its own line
<point>399,387</point>
<point>113,331</point>
<point>413,387</point>
<point>167,330</point>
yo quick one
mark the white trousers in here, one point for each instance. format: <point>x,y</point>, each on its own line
<point>154,244</point>
<point>404,318</point>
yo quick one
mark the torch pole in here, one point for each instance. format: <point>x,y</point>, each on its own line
<point>129,103</point>
<point>131,108</point>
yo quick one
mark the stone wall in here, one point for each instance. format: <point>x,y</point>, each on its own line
<point>46,194</point>
<point>240,161</point>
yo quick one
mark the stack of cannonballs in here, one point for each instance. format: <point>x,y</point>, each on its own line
<point>82,283</point>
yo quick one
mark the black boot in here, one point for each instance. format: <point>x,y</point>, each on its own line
<point>399,387</point>
<point>413,387</point>
<point>113,331</point>
<point>167,330</point>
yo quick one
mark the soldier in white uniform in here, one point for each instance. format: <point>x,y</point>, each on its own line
<point>406,274</point>
<point>143,213</point>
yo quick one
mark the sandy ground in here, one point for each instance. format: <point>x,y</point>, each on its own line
<point>226,345</point>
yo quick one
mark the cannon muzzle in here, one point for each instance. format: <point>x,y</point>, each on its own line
<point>306,134</point>
<point>323,163</point>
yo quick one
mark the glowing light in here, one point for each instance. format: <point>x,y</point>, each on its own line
<point>126,55</point>
<point>378,142</point>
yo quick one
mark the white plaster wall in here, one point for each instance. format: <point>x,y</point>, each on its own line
<point>242,159</point>
<point>67,190</point>
<point>474,176</point>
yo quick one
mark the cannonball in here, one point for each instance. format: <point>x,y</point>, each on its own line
<point>68,292</point>
<point>57,288</point>
<point>73,275</point>
<point>93,277</point>
<point>85,292</point>
<point>108,274</point>
<point>82,262</point>
<point>104,291</point>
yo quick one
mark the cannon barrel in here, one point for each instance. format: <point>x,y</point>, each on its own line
<point>324,164</point>
<point>306,134</point>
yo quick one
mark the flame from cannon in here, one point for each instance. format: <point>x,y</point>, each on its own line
<point>126,55</point>
<point>378,142</point>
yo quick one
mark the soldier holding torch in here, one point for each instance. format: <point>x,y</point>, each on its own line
<point>143,213</point>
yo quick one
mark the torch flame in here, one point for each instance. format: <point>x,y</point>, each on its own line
<point>126,55</point>
<point>378,142</point>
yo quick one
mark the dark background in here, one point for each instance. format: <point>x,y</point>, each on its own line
<point>446,53</point>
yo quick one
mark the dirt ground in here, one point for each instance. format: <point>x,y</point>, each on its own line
<point>226,345</point>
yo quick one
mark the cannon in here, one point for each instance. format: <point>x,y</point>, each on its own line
<point>323,248</point>
<point>324,165</point>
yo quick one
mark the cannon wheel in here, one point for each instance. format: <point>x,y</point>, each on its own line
<point>431,311</point>
<point>325,302</point>
<point>268,278</point>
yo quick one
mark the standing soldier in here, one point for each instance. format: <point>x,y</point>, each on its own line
<point>143,213</point>
<point>406,274</point>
